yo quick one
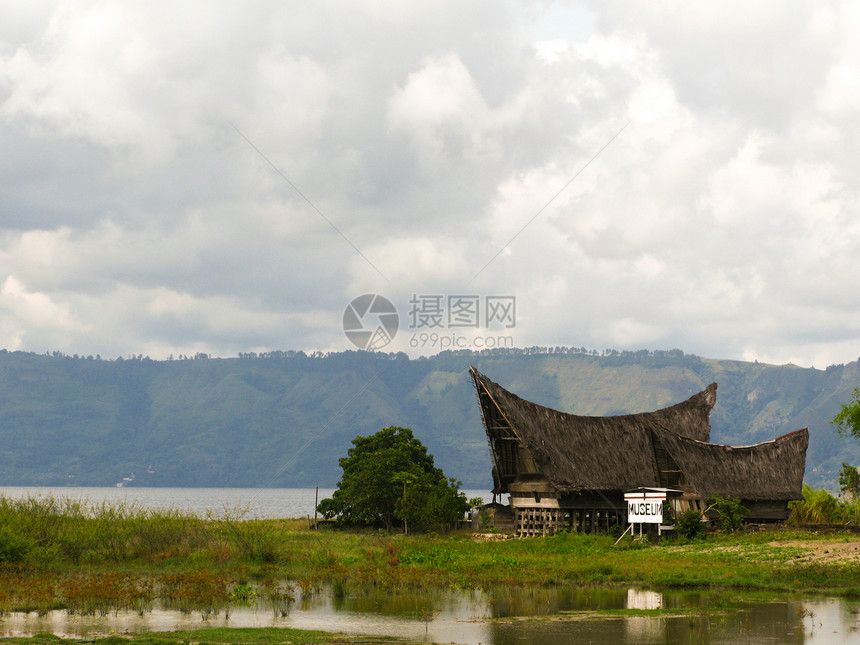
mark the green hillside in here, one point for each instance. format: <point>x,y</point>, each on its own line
<point>284,419</point>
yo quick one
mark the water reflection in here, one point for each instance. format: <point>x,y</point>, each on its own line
<point>505,616</point>
<point>773,622</point>
<point>644,599</point>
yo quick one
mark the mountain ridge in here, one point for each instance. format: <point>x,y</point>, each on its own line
<point>283,419</point>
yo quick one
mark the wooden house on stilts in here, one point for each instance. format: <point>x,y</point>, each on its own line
<point>565,471</point>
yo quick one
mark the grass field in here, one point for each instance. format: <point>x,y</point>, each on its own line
<point>56,554</point>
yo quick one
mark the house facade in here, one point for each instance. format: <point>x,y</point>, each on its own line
<point>566,471</point>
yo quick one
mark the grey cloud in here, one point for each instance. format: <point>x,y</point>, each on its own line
<point>136,219</point>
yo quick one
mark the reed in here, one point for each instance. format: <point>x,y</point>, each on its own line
<point>202,591</point>
<point>49,529</point>
<point>280,596</point>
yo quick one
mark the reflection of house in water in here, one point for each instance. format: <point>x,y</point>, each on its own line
<point>644,599</point>
<point>569,471</point>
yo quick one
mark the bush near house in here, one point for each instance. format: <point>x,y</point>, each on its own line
<point>730,512</point>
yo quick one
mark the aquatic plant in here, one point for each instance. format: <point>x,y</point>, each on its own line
<point>243,594</point>
<point>101,593</point>
<point>203,591</point>
<point>280,596</point>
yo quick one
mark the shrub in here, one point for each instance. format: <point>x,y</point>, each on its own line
<point>818,506</point>
<point>730,512</point>
<point>689,524</point>
<point>13,547</point>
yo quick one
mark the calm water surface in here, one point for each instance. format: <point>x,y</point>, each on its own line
<point>555,616</point>
<point>256,503</point>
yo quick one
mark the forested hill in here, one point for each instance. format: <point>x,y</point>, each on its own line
<point>284,419</point>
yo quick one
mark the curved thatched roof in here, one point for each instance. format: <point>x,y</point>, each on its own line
<point>582,452</point>
<point>772,470</point>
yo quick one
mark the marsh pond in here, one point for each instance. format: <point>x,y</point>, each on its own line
<point>555,615</point>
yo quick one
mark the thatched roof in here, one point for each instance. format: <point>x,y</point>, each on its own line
<point>772,470</point>
<point>582,452</point>
<point>621,452</point>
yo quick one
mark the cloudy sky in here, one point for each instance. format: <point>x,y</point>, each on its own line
<point>181,177</point>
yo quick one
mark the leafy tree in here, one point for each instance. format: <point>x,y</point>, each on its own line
<point>849,480</point>
<point>389,476</point>
<point>730,512</point>
<point>847,420</point>
<point>428,502</point>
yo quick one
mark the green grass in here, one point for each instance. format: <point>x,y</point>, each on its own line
<point>102,559</point>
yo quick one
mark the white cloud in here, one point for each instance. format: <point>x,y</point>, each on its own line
<point>32,316</point>
<point>722,220</point>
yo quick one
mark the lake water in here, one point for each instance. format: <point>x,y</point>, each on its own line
<point>548,616</point>
<point>256,503</point>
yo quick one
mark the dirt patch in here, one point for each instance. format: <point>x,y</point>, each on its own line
<point>824,552</point>
<point>491,537</point>
<point>800,551</point>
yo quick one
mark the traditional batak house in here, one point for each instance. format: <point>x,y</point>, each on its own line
<point>565,471</point>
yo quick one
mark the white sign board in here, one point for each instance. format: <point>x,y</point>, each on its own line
<point>645,507</point>
<point>645,511</point>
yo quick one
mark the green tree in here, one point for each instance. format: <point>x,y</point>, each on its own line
<point>847,420</point>
<point>730,512</point>
<point>849,480</point>
<point>390,477</point>
<point>428,502</point>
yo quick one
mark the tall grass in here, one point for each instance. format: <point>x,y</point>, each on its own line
<point>46,530</point>
<point>819,506</point>
<point>42,530</point>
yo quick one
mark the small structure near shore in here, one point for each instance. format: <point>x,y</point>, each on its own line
<point>565,471</point>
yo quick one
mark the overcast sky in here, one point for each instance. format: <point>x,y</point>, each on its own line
<point>181,177</point>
